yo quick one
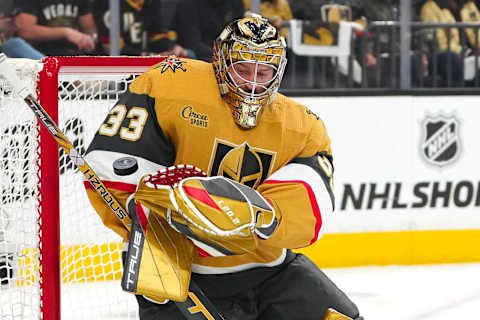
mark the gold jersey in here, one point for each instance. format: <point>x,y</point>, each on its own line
<point>174,114</point>
<point>470,13</point>
<point>431,12</point>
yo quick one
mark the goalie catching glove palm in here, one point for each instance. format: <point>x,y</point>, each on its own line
<point>220,216</point>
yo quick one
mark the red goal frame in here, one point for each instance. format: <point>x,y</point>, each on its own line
<point>48,157</point>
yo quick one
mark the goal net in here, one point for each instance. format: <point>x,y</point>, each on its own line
<point>57,260</point>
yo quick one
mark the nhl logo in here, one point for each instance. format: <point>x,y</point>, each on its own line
<point>440,143</point>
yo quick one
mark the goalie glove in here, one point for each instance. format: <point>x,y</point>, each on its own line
<point>220,216</point>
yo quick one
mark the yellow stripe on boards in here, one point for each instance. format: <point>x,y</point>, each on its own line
<point>84,263</point>
<point>387,248</point>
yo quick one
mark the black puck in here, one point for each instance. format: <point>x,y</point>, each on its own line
<point>125,166</point>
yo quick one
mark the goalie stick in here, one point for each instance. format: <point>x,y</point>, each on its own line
<point>201,304</point>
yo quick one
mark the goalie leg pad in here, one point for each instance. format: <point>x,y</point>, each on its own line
<point>158,260</point>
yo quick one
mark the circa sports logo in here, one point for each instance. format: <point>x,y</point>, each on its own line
<point>195,118</point>
<point>440,144</point>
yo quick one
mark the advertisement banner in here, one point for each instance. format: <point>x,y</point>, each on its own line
<point>404,164</point>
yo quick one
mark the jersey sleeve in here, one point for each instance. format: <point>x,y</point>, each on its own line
<point>130,130</point>
<point>302,193</point>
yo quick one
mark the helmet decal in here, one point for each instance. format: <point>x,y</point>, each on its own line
<point>257,30</point>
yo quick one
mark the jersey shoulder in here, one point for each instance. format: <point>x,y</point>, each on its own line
<point>294,113</point>
<point>178,78</point>
<point>304,123</point>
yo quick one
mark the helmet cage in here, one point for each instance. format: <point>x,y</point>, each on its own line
<point>230,49</point>
<point>240,52</point>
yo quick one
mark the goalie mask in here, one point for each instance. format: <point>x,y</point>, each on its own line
<point>249,57</point>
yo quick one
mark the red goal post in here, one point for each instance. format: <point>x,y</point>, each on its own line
<point>54,251</point>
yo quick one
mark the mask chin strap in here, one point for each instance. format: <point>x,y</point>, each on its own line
<point>245,111</point>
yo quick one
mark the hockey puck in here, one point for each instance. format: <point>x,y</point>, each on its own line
<point>125,166</point>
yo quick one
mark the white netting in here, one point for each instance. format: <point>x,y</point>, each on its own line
<point>91,265</point>
<point>93,251</point>
<point>19,144</point>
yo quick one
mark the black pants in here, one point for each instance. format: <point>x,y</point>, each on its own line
<point>447,67</point>
<point>387,72</point>
<point>299,290</point>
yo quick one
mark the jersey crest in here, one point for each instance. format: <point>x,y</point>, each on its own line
<point>241,163</point>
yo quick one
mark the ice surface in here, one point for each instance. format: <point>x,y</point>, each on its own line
<point>440,292</point>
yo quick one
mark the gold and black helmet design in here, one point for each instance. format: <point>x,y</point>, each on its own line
<point>253,40</point>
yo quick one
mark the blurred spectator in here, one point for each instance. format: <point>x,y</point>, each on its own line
<point>12,46</point>
<point>320,25</point>
<point>445,49</point>
<point>198,22</point>
<point>276,11</point>
<point>57,27</point>
<point>144,28</point>
<point>312,9</point>
<point>279,13</point>
<point>382,50</point>
<point>469,12</point>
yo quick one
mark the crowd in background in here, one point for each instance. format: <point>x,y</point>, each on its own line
<point>439,56</point>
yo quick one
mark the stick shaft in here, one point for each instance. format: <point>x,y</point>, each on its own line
<point>78,160</point>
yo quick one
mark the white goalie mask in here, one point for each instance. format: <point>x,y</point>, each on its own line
<point>249,57</point>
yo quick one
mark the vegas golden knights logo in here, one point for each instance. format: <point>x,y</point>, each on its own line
<point>242,163</point>
<point>171,63</point>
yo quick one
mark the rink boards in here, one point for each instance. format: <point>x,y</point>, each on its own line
<point>406,181</point>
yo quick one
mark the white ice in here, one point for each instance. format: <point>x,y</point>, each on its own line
<point>427,292</point>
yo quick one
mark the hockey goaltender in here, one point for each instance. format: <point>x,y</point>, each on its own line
<point>220,201</point>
